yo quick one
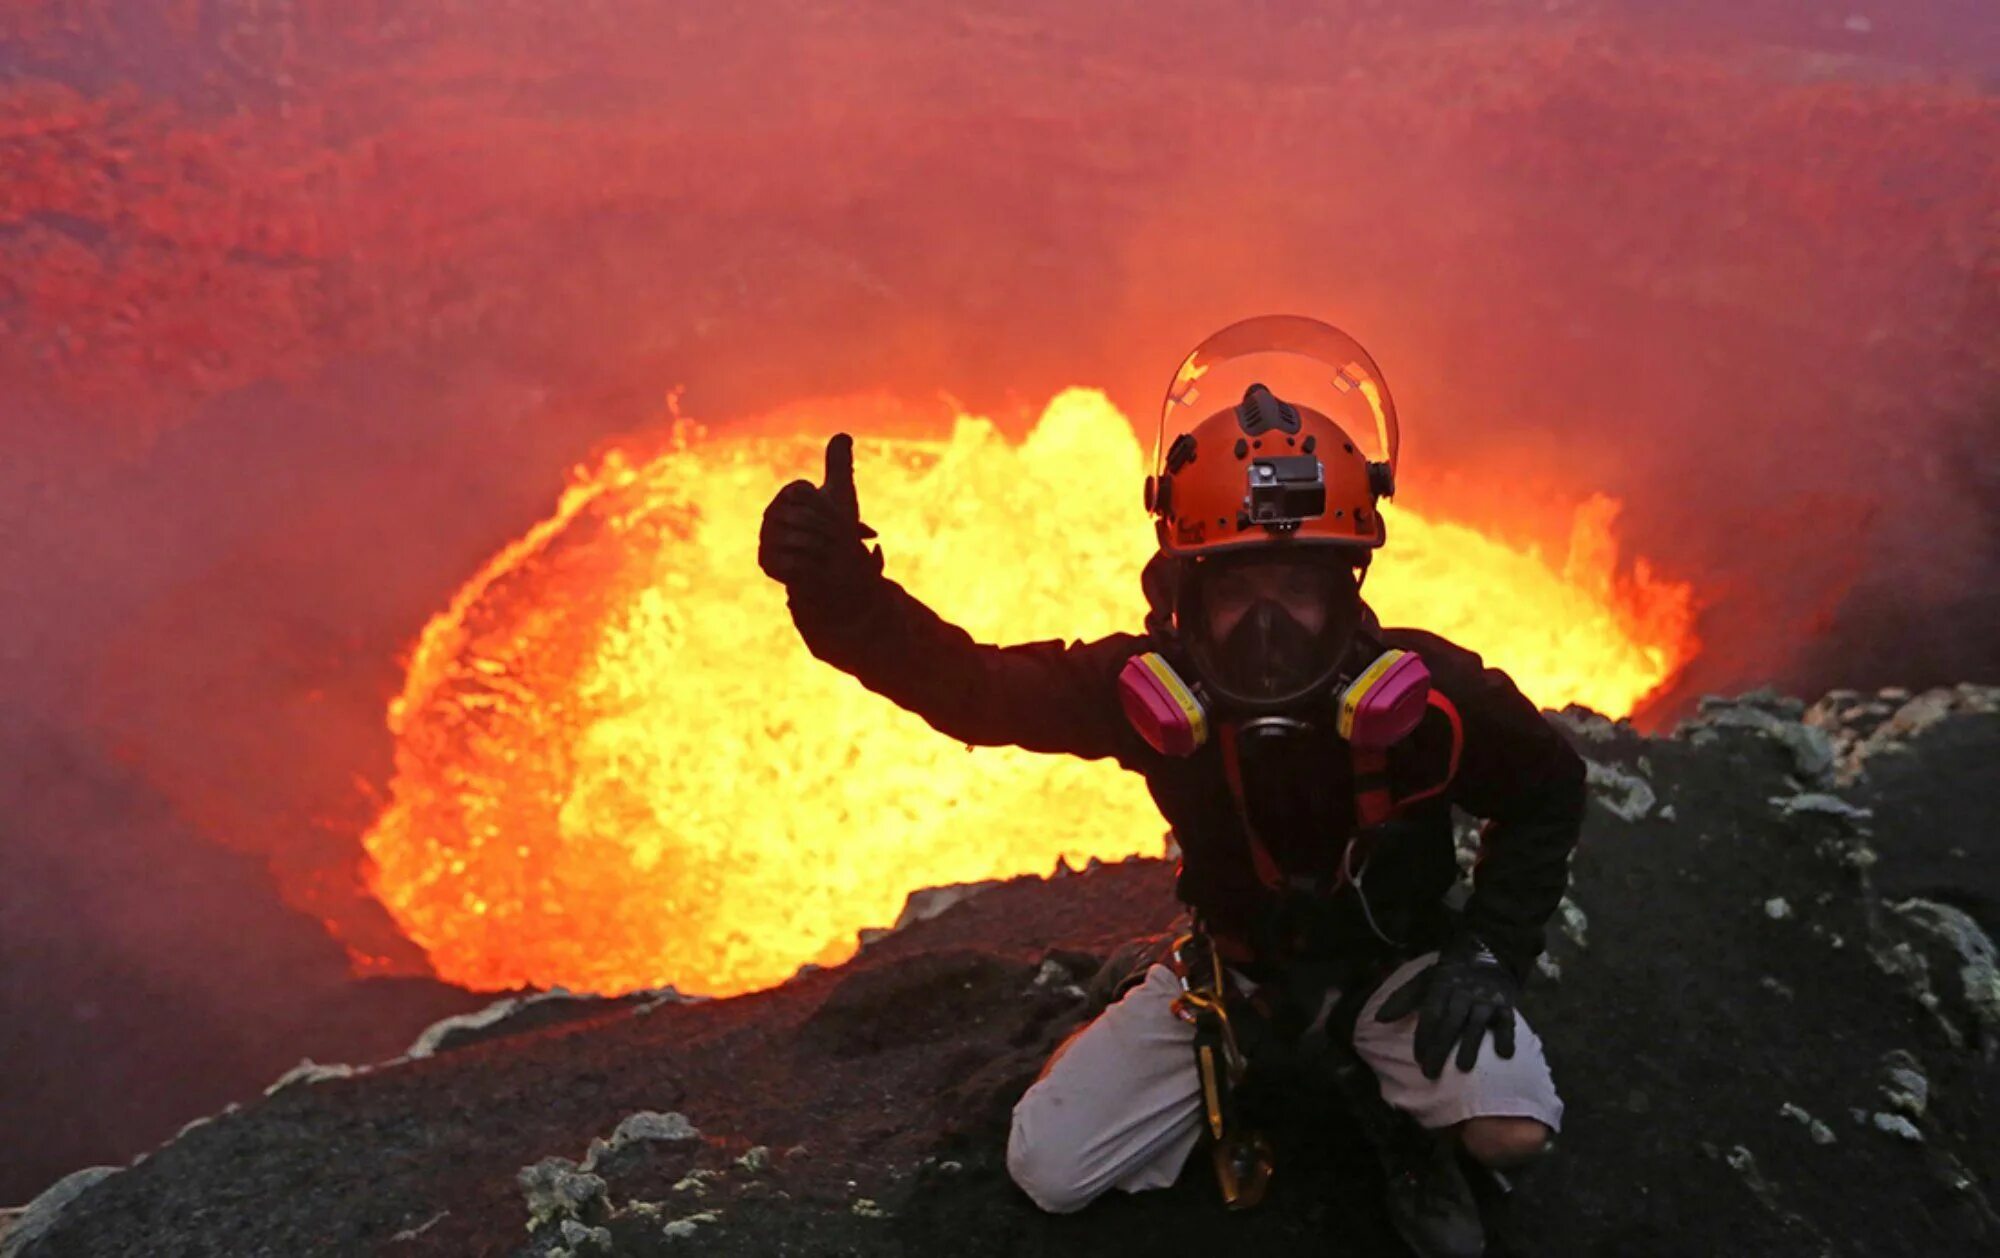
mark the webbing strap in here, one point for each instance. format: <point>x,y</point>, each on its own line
<point>1375,801</point>
<point>1450,710</point>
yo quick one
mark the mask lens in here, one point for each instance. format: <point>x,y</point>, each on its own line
<point>1269,631</point>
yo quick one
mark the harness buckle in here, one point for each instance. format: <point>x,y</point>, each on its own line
<point>1243,1158</point>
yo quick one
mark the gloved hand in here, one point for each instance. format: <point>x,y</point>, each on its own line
<point>1466,993</point>
<point>812,537</point>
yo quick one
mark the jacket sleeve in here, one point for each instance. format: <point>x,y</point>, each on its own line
<point>1044,696</point>
<point>1520,775</point>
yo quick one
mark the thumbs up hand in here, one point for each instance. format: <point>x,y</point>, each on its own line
<point>812,537</point>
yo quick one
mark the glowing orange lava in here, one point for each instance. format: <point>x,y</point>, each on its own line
<point>617,766</point>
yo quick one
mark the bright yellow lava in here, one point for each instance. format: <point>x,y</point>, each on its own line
<point>618,767</point>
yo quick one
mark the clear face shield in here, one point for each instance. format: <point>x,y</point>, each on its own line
<point>1303,361</point>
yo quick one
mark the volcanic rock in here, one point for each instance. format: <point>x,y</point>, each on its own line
<point>557,1190</point>
<point>21,1227</point>
<point>1627,795</point>
<point>1700,1043</point>
<point>1819,1131</point>
<point>1907,1088</point>
<point>923,904</point>
<point>309,1072</point>
<point>1899,1126</point>
<point>514,1014</point>
<point>644,1127</point>
<point>1862,728</point>
<point>1775,718</point>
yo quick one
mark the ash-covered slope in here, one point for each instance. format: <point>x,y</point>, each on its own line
<point>1771,1005</point>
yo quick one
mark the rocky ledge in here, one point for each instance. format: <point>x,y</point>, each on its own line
<point>1770,1000</point>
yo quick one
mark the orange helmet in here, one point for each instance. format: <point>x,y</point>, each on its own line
<point>1275,468</point>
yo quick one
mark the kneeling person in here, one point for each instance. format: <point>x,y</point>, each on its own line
<point>1307,761</point>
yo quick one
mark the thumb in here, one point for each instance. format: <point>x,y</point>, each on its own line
<point>839,485</point>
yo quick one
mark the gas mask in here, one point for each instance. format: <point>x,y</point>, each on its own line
<point>1274,648</point>
<point>1268,635</point>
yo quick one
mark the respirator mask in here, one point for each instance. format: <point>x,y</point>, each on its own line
<point>1267,634</point>
<point>1275,645</point>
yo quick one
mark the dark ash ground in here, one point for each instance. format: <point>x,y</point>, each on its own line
<point>1776,1028</point>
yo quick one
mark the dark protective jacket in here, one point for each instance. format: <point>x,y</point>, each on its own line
<point>1513,769</point>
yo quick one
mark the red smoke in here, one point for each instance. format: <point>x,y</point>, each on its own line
<point>305,316</point>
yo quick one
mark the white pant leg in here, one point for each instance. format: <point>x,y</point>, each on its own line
<point>1518,1086</point>
<point>1117,1106</point>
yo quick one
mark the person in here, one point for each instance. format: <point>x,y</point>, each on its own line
<point>1308,762</point>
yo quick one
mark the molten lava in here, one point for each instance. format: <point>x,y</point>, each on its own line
<point>617,766</point>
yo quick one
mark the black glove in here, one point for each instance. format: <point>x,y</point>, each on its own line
<point>812,538</point>
<point>1465,994</point>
